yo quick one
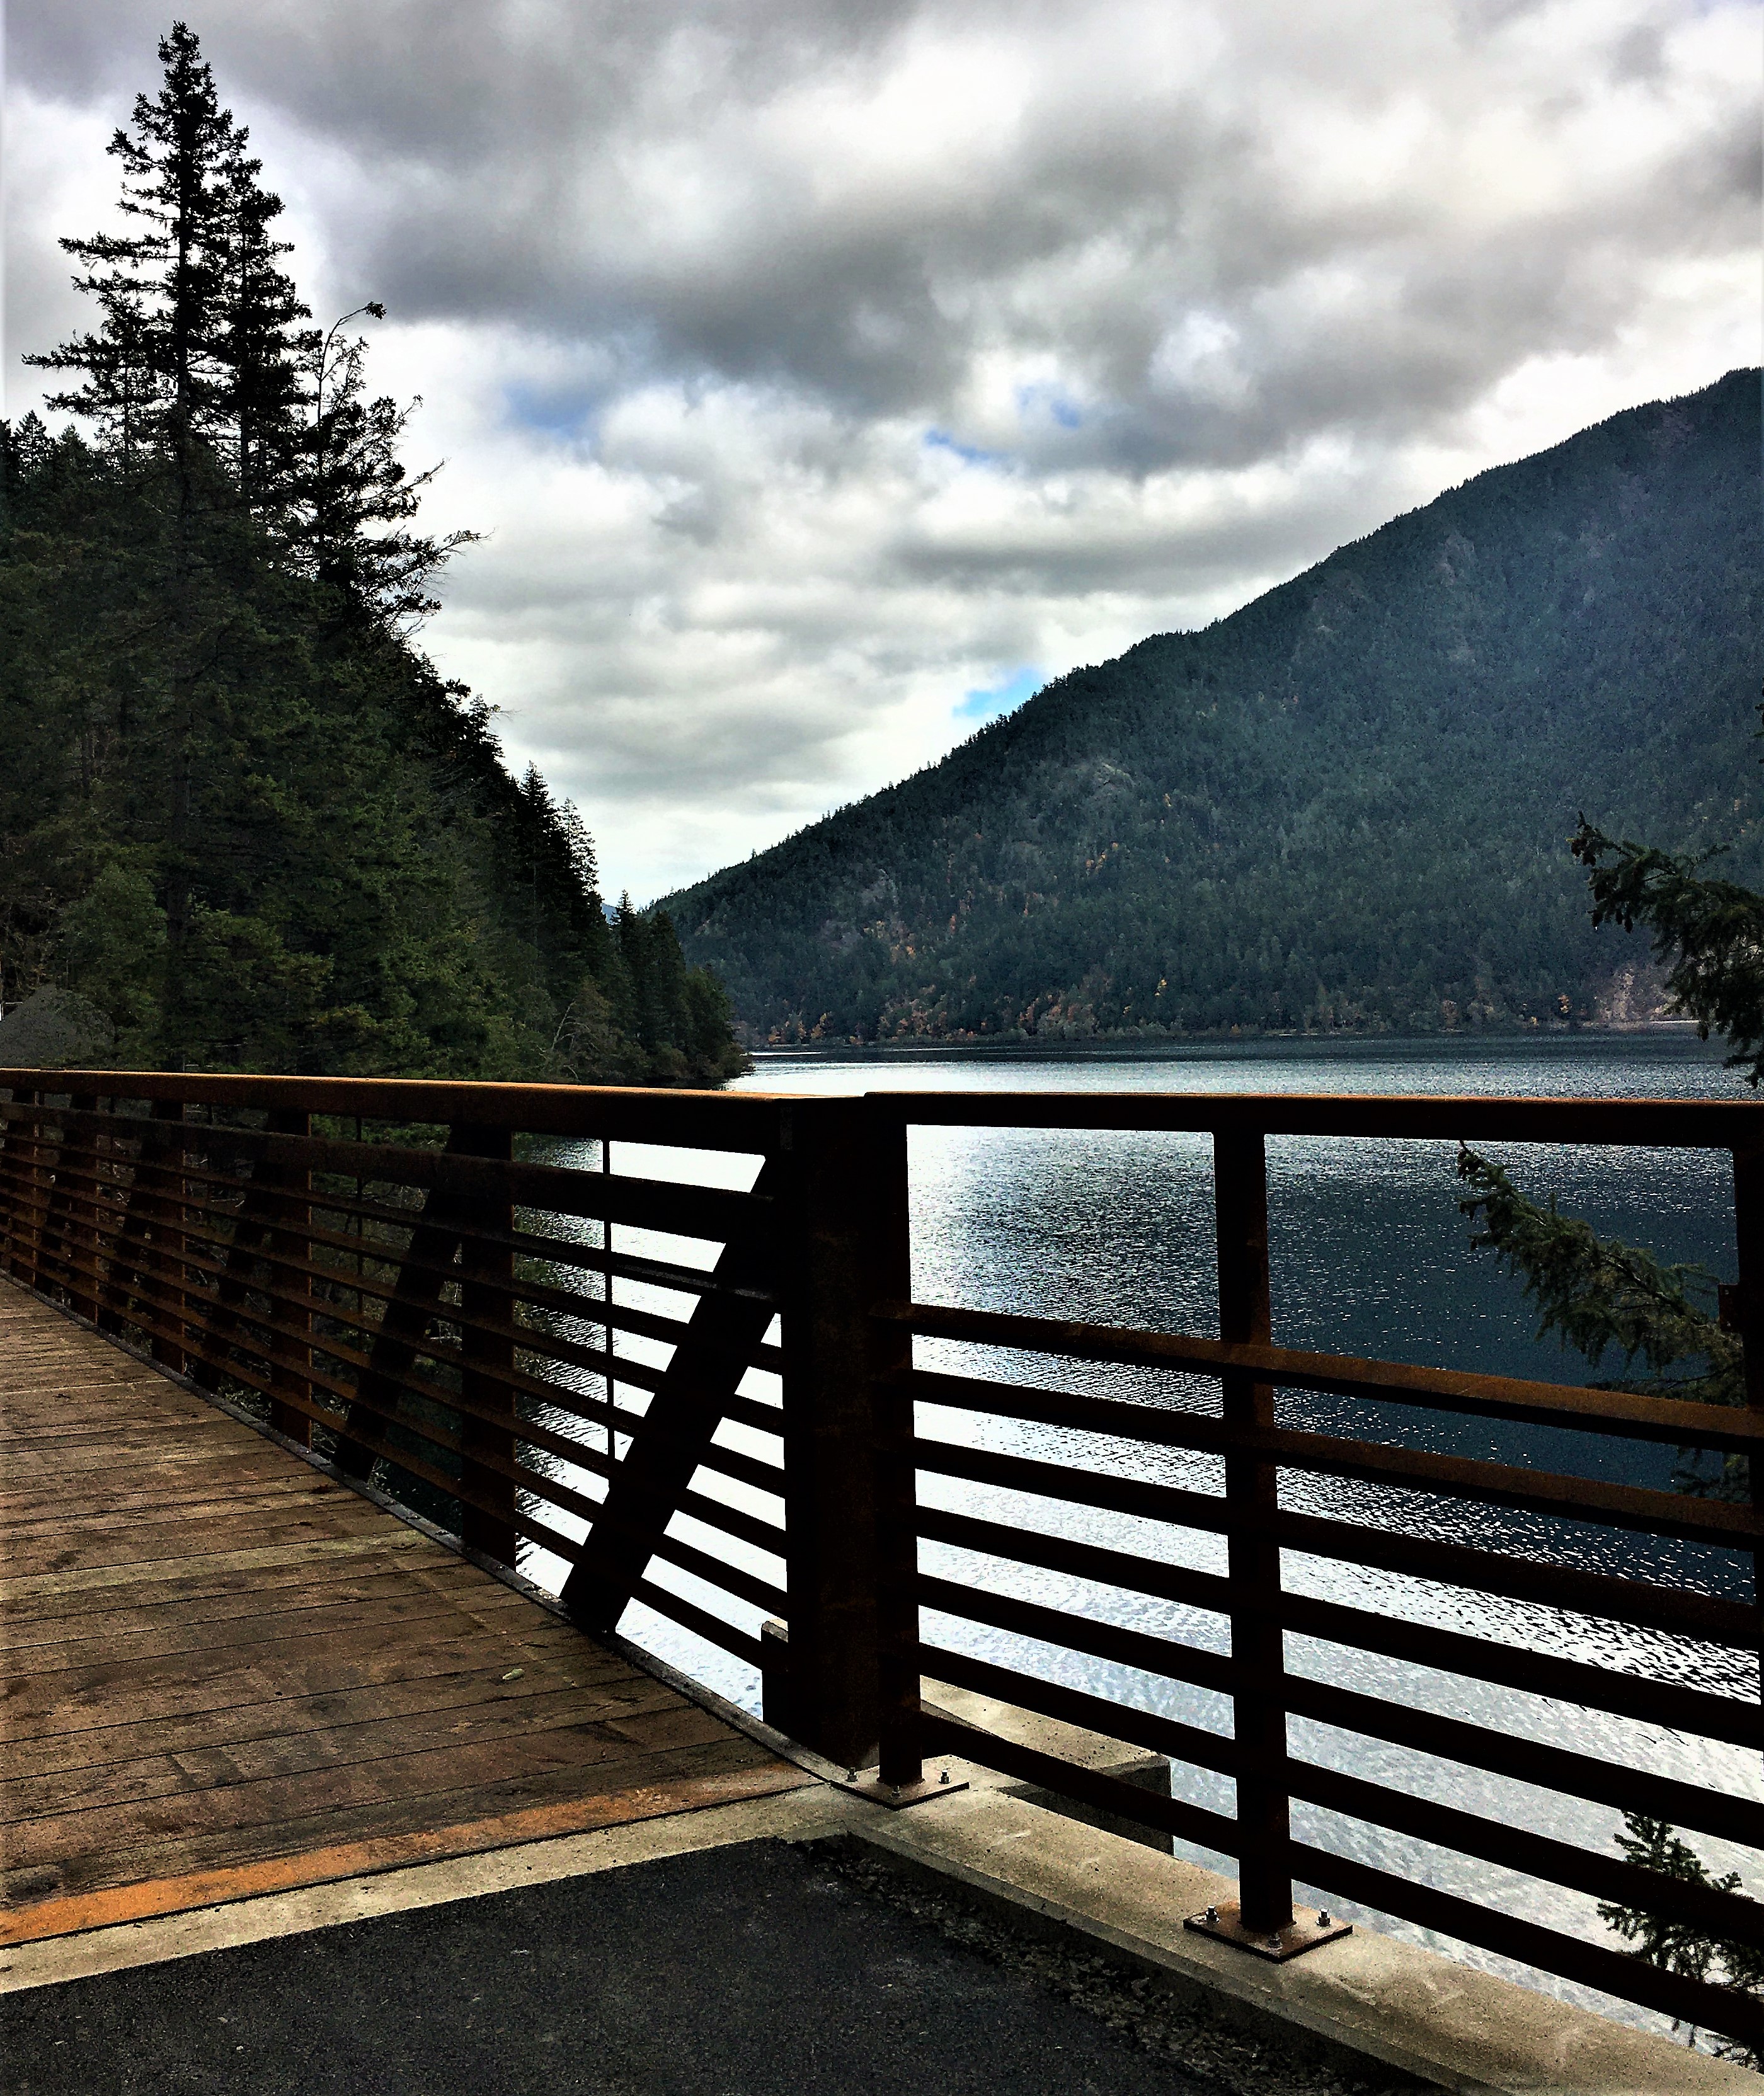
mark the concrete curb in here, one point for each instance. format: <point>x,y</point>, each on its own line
<point>1363,1998</point>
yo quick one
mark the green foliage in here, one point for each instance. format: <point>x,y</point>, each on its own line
<point>241,813</point>
<point>1600,1296</point>
<point>1678,1946</point>
<point>1341,809</point>
<point>1712,932</point>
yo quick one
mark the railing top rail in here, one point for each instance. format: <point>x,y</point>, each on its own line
<point>1656,1124</point>
<point>756,1121</point>
<point>716,1120</point>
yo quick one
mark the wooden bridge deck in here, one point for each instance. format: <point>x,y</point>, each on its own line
<point>228,1676</point>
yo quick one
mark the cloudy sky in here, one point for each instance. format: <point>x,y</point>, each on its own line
<point>827,373</point>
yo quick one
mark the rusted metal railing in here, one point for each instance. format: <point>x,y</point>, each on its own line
<point>414,1272</point>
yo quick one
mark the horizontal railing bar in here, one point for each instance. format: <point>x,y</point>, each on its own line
<point>1572,1681</point>
<point>746,1121</point>
<point>627,1266</point>
<point>1084,1561</point>
<point>1680,1610</point>
<point>1622,1973</point>
<point>534,1338</point>
<point>174,1179</point>
<point>1736,1719</point>
<point>669,1206</point>
<point>1075,1706</point>
<point>718,1572</point>
<point>1055,1481</point>
<point>1164,1656</point>
<point>1645,1124</point>
<point>943,1734</point>
<point>734,1521</point>
<point>1546,1492</point>
<point>1628,1414</point>
<point>1535,1855</point>
<point>1597,1780</point>
<point>690,1617</point>
<point>750,1122</point>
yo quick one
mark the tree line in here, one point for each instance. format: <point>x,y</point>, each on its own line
<point>244,822</point>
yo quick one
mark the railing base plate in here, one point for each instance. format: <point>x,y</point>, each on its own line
<point>1309,1927</point>
<point>897,1796</point>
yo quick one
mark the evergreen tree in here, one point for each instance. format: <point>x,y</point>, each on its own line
<point>240,814</point>
<point>155,371</point>
<point>1600,1296</point>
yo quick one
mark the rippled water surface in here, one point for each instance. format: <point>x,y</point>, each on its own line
<point>1370,1256</point>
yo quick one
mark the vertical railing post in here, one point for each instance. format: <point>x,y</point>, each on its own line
<point>486,1286</point>
<point>1240,1180</point>
<point>82,1297</point>
<point>290,1374</point>
<point>1749,1234</point>
<point>890,1267</point>
<point>54,1244</point>
<point>829,1270</point>
<point>157,1210</point>
<point>26,1144</point>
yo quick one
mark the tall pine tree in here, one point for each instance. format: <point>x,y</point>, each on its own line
<point>241,815</point>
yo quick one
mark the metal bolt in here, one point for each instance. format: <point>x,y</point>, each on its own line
<point>851,1775</point>
<point>1323,1918</point>
<point>1273,1942</point>
<point>1213,1914</point>
<point>945,1777</point>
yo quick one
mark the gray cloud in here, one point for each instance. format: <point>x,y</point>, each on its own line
<point>812,363</point>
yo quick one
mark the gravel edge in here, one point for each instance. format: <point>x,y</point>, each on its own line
<point>1213,2048</point>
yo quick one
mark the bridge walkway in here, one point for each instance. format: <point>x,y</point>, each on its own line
<point>228,1674</point>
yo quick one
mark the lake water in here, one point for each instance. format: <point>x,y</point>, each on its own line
<point>1370,1256</point>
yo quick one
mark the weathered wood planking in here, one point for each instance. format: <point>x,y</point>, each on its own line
<point>227,1674</point>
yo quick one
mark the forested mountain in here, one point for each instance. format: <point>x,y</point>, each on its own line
<point>244,824</point>
<point>1344,806</point>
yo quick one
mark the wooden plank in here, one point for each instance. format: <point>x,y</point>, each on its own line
<point>85,1843</point>
<point>77,1696</point>
<point>349,1860</point>
<point>178,1633</point>
<point>543,1706</point>
<point>386,1811</point>
<point>181,1539</point>
<point>287,1717</point>
<point>91,1577</point>
<point>208,1499</point>
<point>68,1619</point>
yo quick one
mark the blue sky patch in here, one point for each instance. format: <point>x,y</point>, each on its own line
<point>1053,402</point>
<point>940,440</point>
<point>561,411</point>
<point>989,702</point>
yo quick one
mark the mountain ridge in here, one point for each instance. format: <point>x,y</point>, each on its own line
<point>1342,806</point>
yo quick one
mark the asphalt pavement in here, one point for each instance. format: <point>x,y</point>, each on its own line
<point>747,1971</point>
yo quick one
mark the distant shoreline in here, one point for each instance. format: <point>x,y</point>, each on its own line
<point>1205,1047</point>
